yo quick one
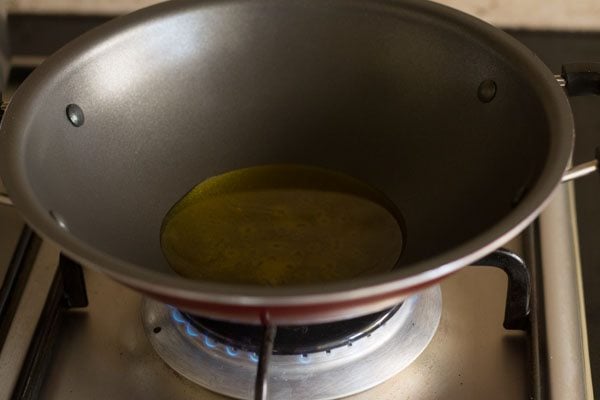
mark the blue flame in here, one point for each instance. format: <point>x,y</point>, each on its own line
<point>212,344</point>
<point>209,342</point>
<point>231,351</point>
<point>303,358</point>
<point>190,330</point>
<point>177,316</point>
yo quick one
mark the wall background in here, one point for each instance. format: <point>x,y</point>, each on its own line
<point>570,15</point>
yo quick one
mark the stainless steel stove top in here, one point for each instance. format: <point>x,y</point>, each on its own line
<point>103,352</point>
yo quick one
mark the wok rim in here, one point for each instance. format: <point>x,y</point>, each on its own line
<point>404,280</point>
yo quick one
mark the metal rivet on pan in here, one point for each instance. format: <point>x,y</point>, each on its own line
<point>487,91</point>
<point>75,115</point>
<point>59,220</point>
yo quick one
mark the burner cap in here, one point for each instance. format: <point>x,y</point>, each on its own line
<point>302,339</point>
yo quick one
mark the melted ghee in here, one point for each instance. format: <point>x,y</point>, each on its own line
<point>281,225</point>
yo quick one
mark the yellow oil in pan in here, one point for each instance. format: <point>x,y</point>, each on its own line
<point>279,225</point>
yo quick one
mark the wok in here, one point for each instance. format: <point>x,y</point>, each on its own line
<point>463,128</point>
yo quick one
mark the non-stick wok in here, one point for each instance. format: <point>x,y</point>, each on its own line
<point>463,128</point>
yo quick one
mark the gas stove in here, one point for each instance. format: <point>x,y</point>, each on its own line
<point>113,348</point>
<point>70,333</point>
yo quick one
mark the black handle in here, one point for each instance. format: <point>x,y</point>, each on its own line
<point>516,313</point>
<point>581,78</point>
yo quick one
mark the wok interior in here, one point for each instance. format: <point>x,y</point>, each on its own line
<point>388,97</point>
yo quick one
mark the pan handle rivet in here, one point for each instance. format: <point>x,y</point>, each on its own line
<point>487,91</point>
<point>75,115</point>
<point>59,220</point>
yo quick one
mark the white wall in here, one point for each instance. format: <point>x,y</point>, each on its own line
<point>532,14</point>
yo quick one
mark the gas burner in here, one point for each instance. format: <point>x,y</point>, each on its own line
<point>342,365</point>
<point>298,339</point>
